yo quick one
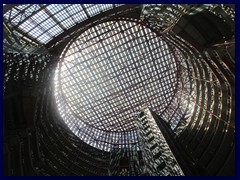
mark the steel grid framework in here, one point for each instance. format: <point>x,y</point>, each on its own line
<point>43,22</point>
<point>134,66</point>
<point>108,73</point>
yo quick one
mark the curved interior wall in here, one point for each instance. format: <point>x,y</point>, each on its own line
<point>32,126</point>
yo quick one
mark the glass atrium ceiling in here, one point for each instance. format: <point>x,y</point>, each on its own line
<point>109,71</point>
<point>112,70</point>
<point>43,22</point>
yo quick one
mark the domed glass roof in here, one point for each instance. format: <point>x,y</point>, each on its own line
<point>111,71</point>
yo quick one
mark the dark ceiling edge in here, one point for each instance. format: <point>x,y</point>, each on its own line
<point>8,7</point>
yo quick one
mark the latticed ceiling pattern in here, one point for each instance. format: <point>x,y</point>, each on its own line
<point>43,22</point>
<point>110,70</point>
<point>113,69</point>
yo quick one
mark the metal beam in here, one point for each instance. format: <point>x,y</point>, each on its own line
<point>8,7</point>
<point>53,17</point>
<point>33,13</point>
<point>90,21</point>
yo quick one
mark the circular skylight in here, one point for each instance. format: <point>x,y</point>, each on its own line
<point>109,72</point>
<point>112,70</point>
